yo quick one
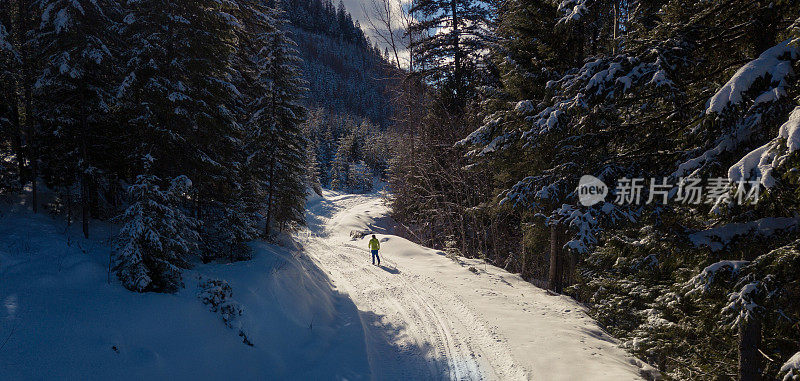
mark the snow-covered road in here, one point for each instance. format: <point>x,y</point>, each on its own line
<point>426,316</point>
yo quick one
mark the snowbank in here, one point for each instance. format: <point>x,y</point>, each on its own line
<point>63,320</point>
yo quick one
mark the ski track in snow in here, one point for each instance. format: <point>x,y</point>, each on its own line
<point>437,337</point>
<point>415,327</point>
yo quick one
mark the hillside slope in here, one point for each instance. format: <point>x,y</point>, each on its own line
<point>60,318</point>
<point>346,74</point>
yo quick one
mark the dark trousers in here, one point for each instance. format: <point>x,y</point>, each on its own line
<point>374,256</point>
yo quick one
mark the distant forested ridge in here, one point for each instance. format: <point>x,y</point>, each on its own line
<point>348,83</point>
<point>345,73</point>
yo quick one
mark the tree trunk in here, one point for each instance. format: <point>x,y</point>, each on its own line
<point>556,262</point>
<point>463,235</point>
<point>16,141</point>
<point>24,24</point>
<point>69,206</point>
<point>456,50</point>
<point>267,231</point>
<point>84,193</point>
<point>749,341</point>
<point>85,204</point>
<point>524,256</point>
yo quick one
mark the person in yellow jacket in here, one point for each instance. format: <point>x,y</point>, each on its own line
<point>374,245</point>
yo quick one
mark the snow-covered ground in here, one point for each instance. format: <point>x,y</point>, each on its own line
<point>429,317</point>
<point>60,319</point>
<point>314,308</point>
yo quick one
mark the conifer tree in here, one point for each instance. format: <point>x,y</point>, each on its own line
<point>340,166</point>
<point>312,168</point>
<point>74,94</point>
<point>276,149</point>
<point>21,18</point>
<point>182,101</point>
<point>450,58</point>
<point>10,135</point>
<point>700,91</point>
<point>157,236</point>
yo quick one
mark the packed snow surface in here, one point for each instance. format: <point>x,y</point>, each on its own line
<point>427,316</point>
<point>313,307</point>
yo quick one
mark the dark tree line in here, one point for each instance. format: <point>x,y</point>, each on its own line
<point>178,119</point>
<point>535,94</point>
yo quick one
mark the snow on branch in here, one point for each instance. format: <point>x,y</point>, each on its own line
<point>572,10</point>
<point>598,80</point>
<point>5,45</point>
<point>740,133</point>
<point>700,283</point>
<point>743,303</point>
<point>791,368</point>
<point>762,161</point>
<point>718,238</point>
<point>775,62</point>
<point>586,224</point>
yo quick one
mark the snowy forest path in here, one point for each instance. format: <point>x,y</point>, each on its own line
<point>413,329</point>
<point>426,316</point>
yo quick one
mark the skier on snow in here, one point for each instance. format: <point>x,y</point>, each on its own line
<point>374,245</point>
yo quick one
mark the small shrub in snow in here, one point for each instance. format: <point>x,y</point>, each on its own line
<point>358,234</point>
<point>451,248</point>
<point>218,296</point>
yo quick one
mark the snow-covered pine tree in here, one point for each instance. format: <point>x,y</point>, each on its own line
<point>178,74</point>
<point>286,92</point>
<point>180,96</point>
<point>10,134</point>
<point>73,95</point>
<point>340,166</point>
<point>748,133</point>
<point>273,123</point>
<point>21,18</point>
<point>660,81</point>
<point>231,222</point>
<point>312,172</point>
<point>327,151</point>
<point>157,235</point>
